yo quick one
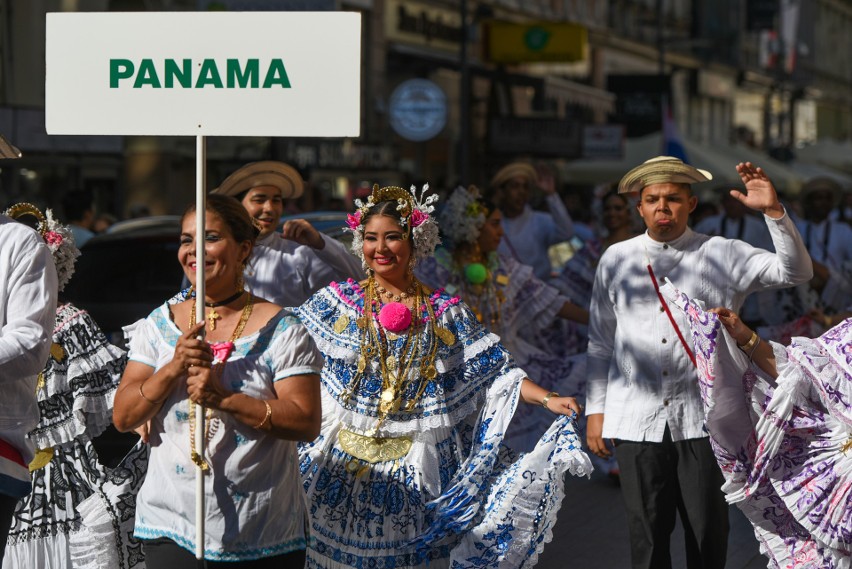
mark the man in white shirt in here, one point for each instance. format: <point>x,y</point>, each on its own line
<point>27,312</point>
<point>528,234</point>
<point>828,241</point>
<point>643,390</point>
<point>288,267</point>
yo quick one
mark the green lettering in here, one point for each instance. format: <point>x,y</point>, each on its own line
<point>237,76</point>
<point>276,74</point>
<point>183,75</point>
<point>147,75</point>
<point>209,75</point>
<point>119,69</point>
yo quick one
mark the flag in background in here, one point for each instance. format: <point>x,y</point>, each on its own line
<point>672,143</point>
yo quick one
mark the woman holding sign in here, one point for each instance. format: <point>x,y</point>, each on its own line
<point>256,373</point>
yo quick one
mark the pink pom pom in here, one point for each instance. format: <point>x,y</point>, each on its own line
<point>395,316</point>
<point>222,351</point>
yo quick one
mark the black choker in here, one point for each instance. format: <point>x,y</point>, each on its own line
<point>228,300</point>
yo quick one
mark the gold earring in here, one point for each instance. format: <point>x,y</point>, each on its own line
<point>241,283</point>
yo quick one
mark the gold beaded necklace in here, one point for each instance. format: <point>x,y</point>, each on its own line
<point>209,431</point>
<point>398,373</point>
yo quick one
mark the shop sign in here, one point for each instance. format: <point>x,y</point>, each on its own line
<point>206,73</point>
<point>414,23</point>
<point>342,155</point>
<point>603,141</point>
<point>535,136</point>
<point>418,110</point>
<point>509,42</point>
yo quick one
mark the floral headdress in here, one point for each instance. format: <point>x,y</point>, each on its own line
<point>57,237</point>
<point>463,216</point>
<point>416,218</point>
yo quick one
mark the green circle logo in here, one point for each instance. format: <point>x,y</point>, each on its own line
<point>536,38</point>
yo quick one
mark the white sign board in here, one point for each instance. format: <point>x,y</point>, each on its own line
<point>204,73</point>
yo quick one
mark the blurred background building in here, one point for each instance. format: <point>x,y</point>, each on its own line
<point>452,89</point>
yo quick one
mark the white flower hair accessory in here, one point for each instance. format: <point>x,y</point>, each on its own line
<point>57,237</point>
<point>463,216</point>
<point>415,213</point>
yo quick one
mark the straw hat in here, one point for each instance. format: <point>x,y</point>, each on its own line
<point>514,170</point>
<point>7,149</point>
<point>265,173</point>
<point>661,170</point>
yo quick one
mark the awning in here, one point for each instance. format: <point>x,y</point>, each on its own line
<point>829,153</point>
<point>810,170</point>
<point>565,92</point>
<point>720,160</point>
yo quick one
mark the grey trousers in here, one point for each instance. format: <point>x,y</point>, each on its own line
<point>659,479</point>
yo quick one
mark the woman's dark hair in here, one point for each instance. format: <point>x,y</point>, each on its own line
<point>233,214</point>
<point>615,194</point>
<point>387,208</point>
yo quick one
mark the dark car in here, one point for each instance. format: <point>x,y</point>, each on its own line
<point>122,275</point>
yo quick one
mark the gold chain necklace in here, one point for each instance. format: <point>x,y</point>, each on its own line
<point>208,413</point>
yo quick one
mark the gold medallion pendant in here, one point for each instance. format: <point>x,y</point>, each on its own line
<point>341,324</point>
<point>373,449</point>
<point>41,459</point>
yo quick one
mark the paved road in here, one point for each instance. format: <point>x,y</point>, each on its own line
<point>592,532</point>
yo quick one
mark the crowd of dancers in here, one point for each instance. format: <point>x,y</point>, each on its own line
<point>416,401</point>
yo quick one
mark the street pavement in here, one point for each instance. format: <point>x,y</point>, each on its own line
<point>591,532</point>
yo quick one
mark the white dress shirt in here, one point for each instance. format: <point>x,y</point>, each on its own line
<point>640,375</point>
<point>527,237</point>
<point>753,231</point>
<point>27,312</point>
<point>286,273</point>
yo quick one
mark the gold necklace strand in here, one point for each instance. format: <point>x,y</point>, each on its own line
<point>209,431</point>
<point>391,378</point>
<point>428,372</point>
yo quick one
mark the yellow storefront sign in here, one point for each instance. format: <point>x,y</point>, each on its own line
<point>537,41</point>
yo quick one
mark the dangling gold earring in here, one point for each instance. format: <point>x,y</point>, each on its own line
<point>411,264</point>
<point>241,284</point>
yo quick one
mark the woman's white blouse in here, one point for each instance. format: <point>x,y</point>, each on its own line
<point>255,505</point>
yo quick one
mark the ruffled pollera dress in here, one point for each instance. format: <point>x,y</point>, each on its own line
<point>442,488</point>
<point>784,446</point>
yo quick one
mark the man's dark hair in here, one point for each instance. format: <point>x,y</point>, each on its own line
<point>76,203</point>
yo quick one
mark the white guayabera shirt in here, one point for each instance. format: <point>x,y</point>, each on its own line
<point>286,273</point>
<point>640,375</point>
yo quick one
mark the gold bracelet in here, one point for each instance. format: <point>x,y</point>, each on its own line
<point>750,344</point>
<point>547,398</point>
<point>267,417</point>
<point>152,402</point>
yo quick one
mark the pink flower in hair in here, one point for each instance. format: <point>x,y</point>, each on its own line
<point>418,217</point>
<point>222,351</point>
<point>53,238</point>
<point>353,220</point>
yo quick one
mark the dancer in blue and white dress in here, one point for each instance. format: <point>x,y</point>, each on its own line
<point>409,470</point>
<point>510,301</point>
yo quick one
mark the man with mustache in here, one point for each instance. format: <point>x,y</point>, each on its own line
<point>643,392</point>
